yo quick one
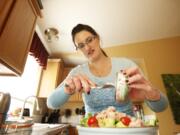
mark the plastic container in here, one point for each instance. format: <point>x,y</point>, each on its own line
<point>117,131</point>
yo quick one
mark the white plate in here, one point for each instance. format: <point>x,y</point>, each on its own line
<point>117,131</point>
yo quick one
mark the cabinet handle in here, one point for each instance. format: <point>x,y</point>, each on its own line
<point>6,7</point>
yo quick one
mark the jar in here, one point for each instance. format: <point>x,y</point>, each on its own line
<point>121,87</point>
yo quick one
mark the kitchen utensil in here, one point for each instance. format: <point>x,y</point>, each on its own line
<point>106,85</point>
<point>83,110</point>
<point>5,100</point>
<point>119,82</point>
<point>68,113</point>
<point>77,111</point>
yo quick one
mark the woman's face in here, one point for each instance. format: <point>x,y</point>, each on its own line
<point>88,44</point>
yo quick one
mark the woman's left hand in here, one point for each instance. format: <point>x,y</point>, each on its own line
<point>139,87</point>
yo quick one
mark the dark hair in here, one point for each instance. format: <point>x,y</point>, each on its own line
<point>81,27</point>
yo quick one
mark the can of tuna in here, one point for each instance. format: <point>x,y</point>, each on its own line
<point>121,87</point>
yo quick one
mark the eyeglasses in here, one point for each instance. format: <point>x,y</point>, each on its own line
<point>87,42</point>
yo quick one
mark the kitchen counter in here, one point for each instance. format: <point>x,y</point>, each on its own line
<point>50,129</point>
<point>42,129</point>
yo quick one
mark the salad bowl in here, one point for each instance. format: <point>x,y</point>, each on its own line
<point>117,131</point>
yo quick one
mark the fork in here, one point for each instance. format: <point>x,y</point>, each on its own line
<point>106,85</point>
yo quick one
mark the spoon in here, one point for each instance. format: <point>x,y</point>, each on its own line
<point>106,85</point>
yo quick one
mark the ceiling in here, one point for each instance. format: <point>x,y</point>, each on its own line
<point>118,22</point>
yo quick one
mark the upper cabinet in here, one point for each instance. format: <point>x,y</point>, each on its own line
<point>17,23</point>
<point>50,77</point>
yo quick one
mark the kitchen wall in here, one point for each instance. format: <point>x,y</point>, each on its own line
<point>160,56</point>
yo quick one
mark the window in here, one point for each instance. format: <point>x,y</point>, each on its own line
<point>22,87</point>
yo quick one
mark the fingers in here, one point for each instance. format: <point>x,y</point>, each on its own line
<point>131,71</point>
<point>69,86</point>
<point>135,78</point>
<point>77,83</point>
<point>133,74</point>
<point>139,86</point>
<point>85,83</point>
<point>89,81</point>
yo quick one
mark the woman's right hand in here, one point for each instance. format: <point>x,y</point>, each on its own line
<point>78,83</point>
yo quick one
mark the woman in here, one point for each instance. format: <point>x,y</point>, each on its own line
<point>99,70</point>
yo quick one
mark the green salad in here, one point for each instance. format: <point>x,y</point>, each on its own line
<point>110,118</point>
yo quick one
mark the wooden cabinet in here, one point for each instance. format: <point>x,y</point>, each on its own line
<point>54,74</point>
<point>66,71</point>
<point>50,78</point>
<point>77,96</point>
<point>73,131</point>
<point>17,23</point>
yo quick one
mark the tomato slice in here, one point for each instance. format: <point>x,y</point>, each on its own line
<point>92,121</point>
<point>125,120</point>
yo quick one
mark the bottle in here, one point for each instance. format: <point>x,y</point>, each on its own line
<point>45,118</point>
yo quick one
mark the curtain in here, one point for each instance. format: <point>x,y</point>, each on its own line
<point>39,51</point>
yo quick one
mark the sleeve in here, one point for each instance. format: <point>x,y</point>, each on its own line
<point>159,105</point>
<point>58,97</point>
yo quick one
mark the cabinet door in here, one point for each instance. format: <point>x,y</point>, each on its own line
<point>49,78</point>
<point>74,98</point>
<point>77,96</point>
<point>16,35</point>
<point>73,131</point>
<point>66,71</point>
<point>5,9</point>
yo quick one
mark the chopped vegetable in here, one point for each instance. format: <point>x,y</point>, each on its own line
<point>125,120</point>
<point>92,121</point>
<point>120,125</point>
<point>109,122</point>
<point>84,120</point>
<point>110,118</point>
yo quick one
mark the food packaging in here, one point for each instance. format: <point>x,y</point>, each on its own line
<point>121,87</point>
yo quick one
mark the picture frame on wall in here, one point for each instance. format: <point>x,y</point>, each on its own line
<point>172,86</point>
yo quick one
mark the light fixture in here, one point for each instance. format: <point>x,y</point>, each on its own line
<point>51,33</point>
